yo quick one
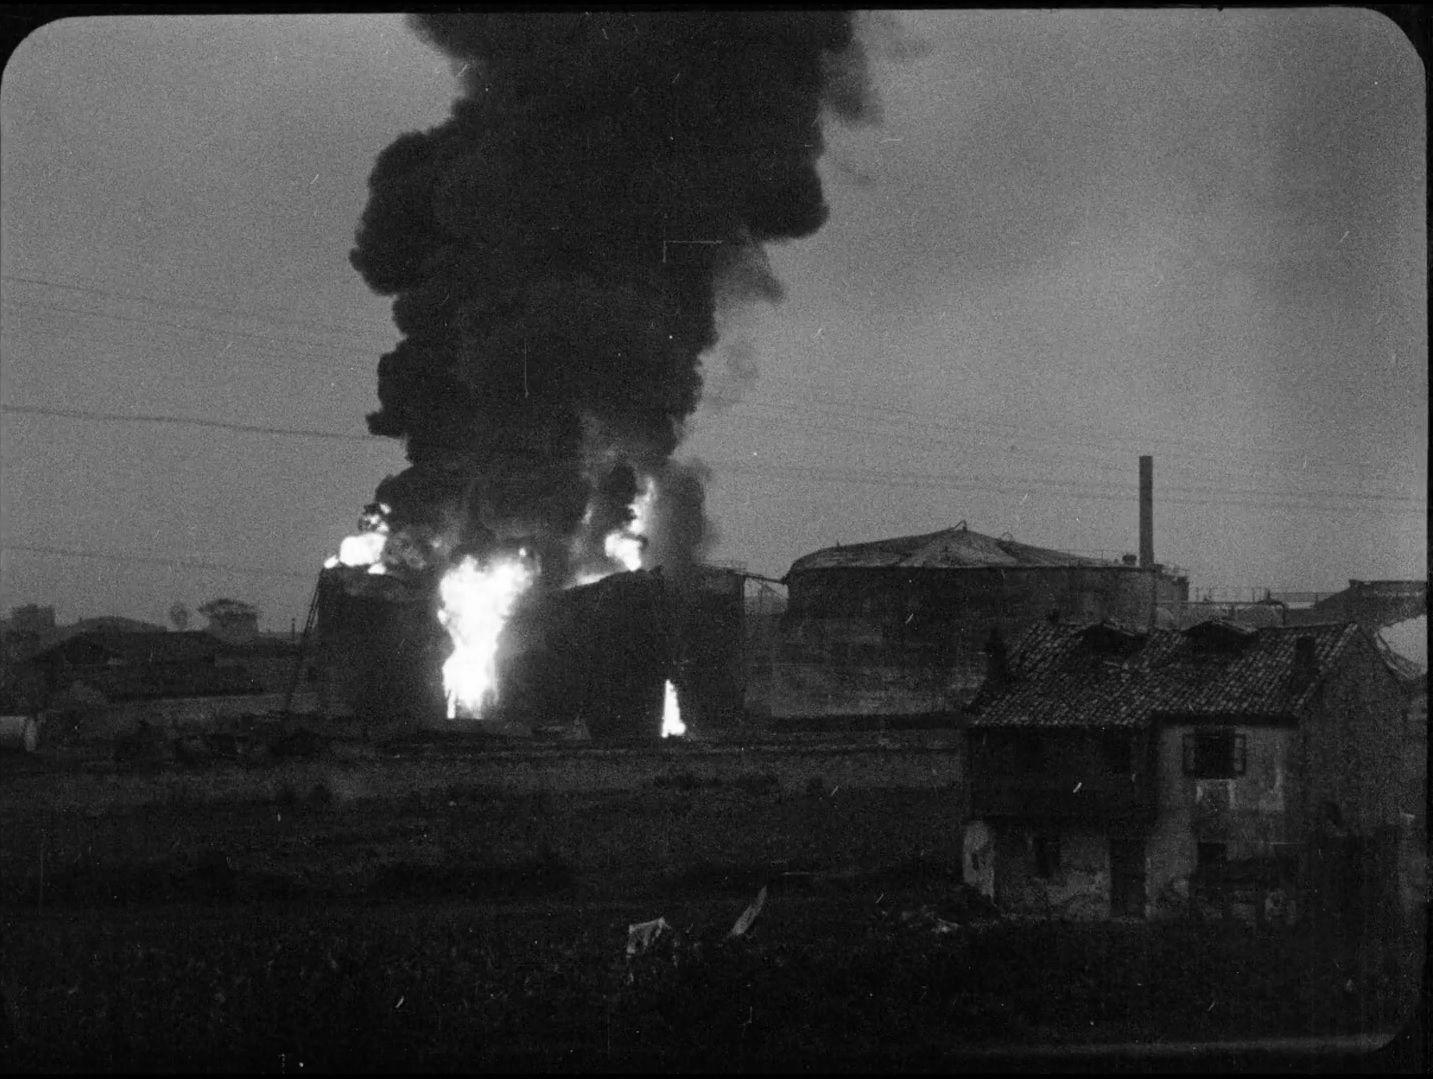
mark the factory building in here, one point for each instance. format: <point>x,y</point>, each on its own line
<point>893,632</point>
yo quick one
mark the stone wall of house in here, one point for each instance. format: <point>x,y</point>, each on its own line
<point>1353,746</point>
<point>1250,814</point>
<point>1078,889</point>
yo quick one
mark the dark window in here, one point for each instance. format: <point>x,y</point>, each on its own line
<point>1029,753</point>
<point>1119,755</point>
<point>1214,754</point>
<point>1047,856</point>
<point>1210,855</point>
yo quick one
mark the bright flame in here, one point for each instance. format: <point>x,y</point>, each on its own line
<point>625,545</point>
<point>625,548</point>
<point>672,725</point>
<point>476,604</point>
<point>362,549</point>
<point>365,548</point>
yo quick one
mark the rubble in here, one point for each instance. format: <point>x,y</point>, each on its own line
<point>749,915</point>
<point>642,935</point>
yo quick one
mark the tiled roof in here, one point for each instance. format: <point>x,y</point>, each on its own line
<point>1081,676</point>
<point>953,548</point>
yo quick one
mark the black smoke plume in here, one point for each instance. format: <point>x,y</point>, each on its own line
<point>558,249</point>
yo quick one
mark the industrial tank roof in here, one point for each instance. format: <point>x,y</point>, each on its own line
<point>952,548</point>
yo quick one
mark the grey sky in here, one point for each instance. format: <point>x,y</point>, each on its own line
<point>1075,237</point>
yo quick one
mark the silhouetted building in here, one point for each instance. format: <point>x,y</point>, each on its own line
<point>1372,604</point>
<point>138,665</point>
<point>894,630</point>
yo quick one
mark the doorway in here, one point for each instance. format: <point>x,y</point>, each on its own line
<point>1127,876</point>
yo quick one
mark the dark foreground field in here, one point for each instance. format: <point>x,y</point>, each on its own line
<point>471,930</point>
<point>834,984</point>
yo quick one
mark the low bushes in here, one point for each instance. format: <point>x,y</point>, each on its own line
<point>548,986</point>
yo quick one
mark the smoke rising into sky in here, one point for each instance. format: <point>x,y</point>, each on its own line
<point>557,250</point>
<point>1074,238</point>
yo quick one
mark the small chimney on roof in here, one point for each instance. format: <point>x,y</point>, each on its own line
<point>1306,664</point>
<point>1146,512</point>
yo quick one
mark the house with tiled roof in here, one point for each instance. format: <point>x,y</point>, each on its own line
<point>1113,766</point>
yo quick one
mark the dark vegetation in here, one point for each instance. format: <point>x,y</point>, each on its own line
<point>549,986</point>
<point>463,928</point>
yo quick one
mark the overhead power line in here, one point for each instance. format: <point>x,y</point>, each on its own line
<point>209,331</point>
<point>1306,498</point>
<point>243,358</point>
<point>183,563</point>
<point>1293,500</point>
<point>914,427</point>
<point>183,421</point>
<point>197,305</point>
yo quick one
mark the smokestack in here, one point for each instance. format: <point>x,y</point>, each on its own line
<point>1146,512</point>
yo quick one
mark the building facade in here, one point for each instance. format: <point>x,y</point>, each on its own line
<point>1118,771</point>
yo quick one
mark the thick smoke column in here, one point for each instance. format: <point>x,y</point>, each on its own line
<point>557,247</point>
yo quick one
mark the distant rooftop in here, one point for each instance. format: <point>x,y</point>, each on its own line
<point>952,548</point>
<point>97,646</point>
<point>1377,603</point>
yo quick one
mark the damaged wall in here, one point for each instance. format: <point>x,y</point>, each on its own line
<point>1352,746</point>
<point>1347,752</point>
<point>1055,872</point>
<point>1249,814</point>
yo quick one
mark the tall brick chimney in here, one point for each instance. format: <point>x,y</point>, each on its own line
<point>1146,512</point>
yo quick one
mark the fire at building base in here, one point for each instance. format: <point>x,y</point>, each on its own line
<point>593,661</point>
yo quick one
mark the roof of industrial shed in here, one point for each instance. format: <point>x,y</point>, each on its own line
<point>951,548</point>
<point>1104,675</point>
<point>1375,603</point>
<point>192,646</point>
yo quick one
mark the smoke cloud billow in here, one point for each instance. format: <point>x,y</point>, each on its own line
<point>558,250</point>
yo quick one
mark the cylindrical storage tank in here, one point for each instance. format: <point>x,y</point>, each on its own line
<point>600,653</point>
<point>380,648</point>
<point>19,733</point>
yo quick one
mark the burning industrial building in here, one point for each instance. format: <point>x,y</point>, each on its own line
<point>559,251</point>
